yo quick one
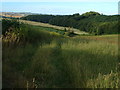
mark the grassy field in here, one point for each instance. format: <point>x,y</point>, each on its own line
<point>76,31</point>
<point>44,59</point>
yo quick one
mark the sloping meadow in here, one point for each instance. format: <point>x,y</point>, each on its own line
<point>43,59</point>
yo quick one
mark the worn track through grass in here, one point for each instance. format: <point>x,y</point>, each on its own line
<point>60,62</point>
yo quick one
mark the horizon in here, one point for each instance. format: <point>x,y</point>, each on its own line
<point>61,8</point>
<point>56,14</point>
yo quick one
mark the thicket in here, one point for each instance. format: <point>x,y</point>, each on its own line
<point>17,33</point>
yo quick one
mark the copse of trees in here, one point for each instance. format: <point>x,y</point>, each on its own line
<point>91,13</point>
<point>39,18</point>
<point>92,22</point>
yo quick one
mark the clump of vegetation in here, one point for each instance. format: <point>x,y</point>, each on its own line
<point>69,32</point>
<point>91,13</point>
<point>8,25</point>
<point>21,33</point>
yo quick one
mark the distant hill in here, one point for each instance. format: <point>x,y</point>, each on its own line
<point>92,22</point>
<point>15,14</point>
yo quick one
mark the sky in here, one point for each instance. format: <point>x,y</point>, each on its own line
<point>61,7</point>
<point>59,0</point>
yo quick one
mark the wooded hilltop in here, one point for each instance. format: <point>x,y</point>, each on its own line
<point>92,22</point>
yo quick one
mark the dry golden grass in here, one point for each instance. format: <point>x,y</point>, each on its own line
<point>76,31</point>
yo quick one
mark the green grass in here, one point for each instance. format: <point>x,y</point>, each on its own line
<point>50,29</point>
<point>56,61</point>
<point>60,28</point>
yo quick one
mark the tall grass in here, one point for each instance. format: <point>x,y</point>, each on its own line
<point>60,62</point>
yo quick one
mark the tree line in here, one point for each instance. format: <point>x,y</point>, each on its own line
<point>92,22</point>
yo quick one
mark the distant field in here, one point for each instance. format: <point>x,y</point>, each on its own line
<point>76,31</point>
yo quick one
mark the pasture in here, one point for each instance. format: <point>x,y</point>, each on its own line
<point>53,60</point>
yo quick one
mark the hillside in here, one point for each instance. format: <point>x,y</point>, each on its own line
<point>37,57</point>
<point>76,31</point>
<point>91,22</point>
<point>15,14</point>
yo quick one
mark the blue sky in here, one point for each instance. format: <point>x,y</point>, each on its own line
<point>61,7</point>
<point>59,0</point>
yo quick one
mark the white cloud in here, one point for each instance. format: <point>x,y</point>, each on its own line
<point>59,0</point>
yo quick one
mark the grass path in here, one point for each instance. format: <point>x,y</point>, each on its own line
<point>76,31</point>
<point>61,62</point>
